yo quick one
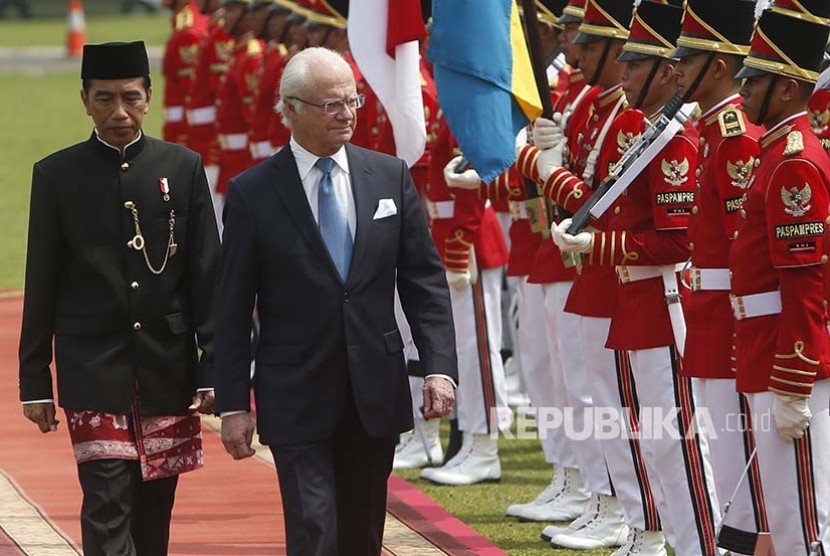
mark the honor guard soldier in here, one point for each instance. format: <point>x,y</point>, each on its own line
<point>779,284</point>
<point>645,238</point>
<point>235,99</point>
<point>121,269</point>
<point>714,40</point>
<point>268,134</point>
<point>471,245</point>
<point>818,110</point>
<point>189,30</point>
<point>539,351</point>
<point>602,33</point>
<point>200,106</point>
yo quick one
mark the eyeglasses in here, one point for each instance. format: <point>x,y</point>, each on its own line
<point>337,106</point>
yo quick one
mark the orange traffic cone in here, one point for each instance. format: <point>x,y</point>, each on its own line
<point>76,32</point>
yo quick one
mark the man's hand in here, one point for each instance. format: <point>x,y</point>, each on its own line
<point>203,402</point>
<point>42,414</point>
<point>549,160</point>
<point>439,397</point>
<point>238,435</point>
<point>468,179</point>
<point>548,134</point>
<point>792,416</point>
<point>580,243</point>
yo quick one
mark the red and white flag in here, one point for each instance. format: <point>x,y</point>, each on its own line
<point>383,39</point>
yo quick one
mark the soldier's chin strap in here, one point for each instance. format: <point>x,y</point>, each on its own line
<point>601,64</point>
<point>762,112</point>
<point>696,83</point>
<point>232,30</point>
<point>326,35</point>
<point>647,85</point>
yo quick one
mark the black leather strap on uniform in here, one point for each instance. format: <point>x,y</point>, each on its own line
<point>762,112</point>
<point>601,64</point>
<point>644,91</point>
<point>699,77</point>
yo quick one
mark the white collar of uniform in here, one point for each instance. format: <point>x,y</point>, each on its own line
<point>719,105</point>
<point>306,160</point>
<point>782,123</point>
<point>123,150</point>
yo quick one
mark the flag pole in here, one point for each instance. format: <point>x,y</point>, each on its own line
<point>538,209</point>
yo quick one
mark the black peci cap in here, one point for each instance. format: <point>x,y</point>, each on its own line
<point>115,60</point>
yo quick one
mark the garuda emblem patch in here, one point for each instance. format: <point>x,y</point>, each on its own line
<point>797,202</point>
<point>625,139</point>
<point>819,120</point>
<point>675,172</point>
<point>741,172</point>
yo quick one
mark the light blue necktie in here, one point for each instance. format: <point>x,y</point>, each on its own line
<point>334,226</point>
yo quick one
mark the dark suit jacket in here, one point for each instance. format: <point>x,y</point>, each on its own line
<point>322,340</point>
<point>86,287</point>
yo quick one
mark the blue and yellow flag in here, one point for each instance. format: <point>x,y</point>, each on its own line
<point>484,79</point>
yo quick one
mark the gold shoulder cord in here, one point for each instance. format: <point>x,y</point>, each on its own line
<point>138,243</point>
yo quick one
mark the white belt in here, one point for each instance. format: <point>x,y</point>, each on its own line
<point>261,149</point>
<point>517,210</point>
<point>201,116</point>
<point>756,305</point>
<point>709,279</point>
<point>174,114</point>
<point>233,141</point>
<point>440,209</point>
<point>628,274</point>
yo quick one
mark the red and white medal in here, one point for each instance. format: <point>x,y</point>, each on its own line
<point>164,187</point>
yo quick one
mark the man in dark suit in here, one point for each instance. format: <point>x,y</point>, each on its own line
<point>320,235</point>
<point>121,271</point>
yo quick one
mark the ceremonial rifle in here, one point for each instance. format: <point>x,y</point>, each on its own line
<point>671,120</point>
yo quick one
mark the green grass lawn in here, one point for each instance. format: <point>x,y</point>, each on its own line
<point>41,114</point>
<point>151,28</point>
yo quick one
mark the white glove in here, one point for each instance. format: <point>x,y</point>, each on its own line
<point>548,133</point>
<point>549,160</point>
<point>580,243</point>
<point>521,141</point>
<point>468,179</point>
<point>792,416</point>
<point>458,280</point>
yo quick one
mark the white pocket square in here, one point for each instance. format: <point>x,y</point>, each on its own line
<point>386,207</point>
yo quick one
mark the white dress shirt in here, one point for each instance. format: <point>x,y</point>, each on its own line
<point>340,177</point>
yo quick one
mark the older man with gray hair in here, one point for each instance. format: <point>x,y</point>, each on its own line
<point>320,235</point>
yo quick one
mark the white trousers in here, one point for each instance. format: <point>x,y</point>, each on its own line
<point>796,476</point>
<point>543,379</point>
<point>410,353</point>
<point>481,397</point>
<point>567,330</point>
<point>730,445</point>
<point>676,452</point>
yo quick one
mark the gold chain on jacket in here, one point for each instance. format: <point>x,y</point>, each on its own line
<point>137,242</point>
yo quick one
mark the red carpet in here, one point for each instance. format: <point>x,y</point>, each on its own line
<point>226,508</point>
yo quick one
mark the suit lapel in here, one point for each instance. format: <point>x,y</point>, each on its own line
<point>363,191</point>
<point>289,188</point>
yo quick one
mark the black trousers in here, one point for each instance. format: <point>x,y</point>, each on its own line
<point>122,515</point>
<point>334,492</point>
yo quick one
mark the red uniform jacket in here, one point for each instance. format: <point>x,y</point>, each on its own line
<point>819,111</point>
<point>211,65</point>
<point>234,110</point>
<point>781,246</point>
<point>594,293</point>
<point>189,30</point>
<point>726,164</point>
<point>267,132</point>
<point>472,222</point>
<point>548,266</point>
